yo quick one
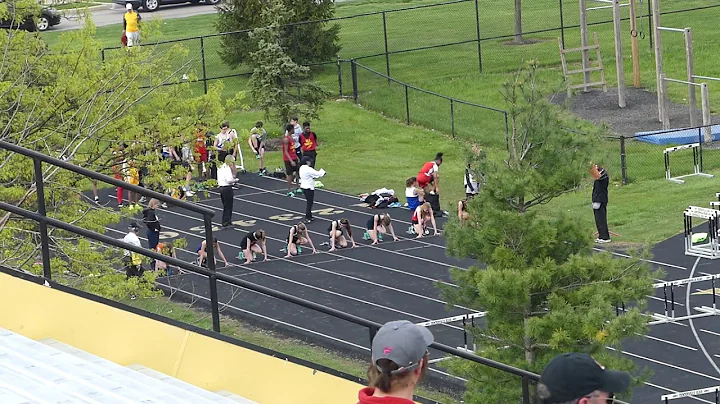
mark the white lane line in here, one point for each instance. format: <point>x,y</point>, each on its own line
<point>257,271</point>
<point>344,256</point>
<point>692,323</point>
<point>669,342</point>
<point>641,259</point>
<point>665,364</point>
<point>710,332</point>
<point>675,391</point>
<point>445,264</point>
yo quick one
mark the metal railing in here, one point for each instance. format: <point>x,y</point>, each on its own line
<point>210,272</point>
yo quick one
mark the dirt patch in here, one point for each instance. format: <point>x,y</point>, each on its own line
<point>640,113</point>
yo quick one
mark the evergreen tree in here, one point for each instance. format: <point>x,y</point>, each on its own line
<point>305,43</point>
<point>544,290</point>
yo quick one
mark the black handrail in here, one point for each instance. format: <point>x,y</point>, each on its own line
<point>210,273</point>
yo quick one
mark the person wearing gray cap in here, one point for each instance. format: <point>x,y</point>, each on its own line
<point>399,362</point>
<point>577,378</point>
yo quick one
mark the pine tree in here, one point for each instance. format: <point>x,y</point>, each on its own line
<point>544,290</point>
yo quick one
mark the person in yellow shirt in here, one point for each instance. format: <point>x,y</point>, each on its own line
<point>131,26</point>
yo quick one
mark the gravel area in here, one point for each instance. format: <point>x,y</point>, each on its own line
<point>640,113</point>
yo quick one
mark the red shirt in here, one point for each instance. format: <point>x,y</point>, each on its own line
<point>308,142</point>
<point>365,396</point>
<point>289,147</point>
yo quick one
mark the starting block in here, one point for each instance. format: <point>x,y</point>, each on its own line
<point>669,316</point>
<point>697,159</point>
<point>693,393</point>
<point>709,249</point>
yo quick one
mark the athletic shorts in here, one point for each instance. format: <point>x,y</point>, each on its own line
<point>289,169</point>
<point>424,181</point>
<point>414,222</point>
<point>261,147</point>
<point>370,223</point>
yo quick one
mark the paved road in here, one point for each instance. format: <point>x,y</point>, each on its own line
<point>112,14</point>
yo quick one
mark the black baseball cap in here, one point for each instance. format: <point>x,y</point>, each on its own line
<point>572,376</point>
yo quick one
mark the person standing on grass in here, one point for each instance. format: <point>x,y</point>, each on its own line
<point>290,158</point>
<point>307,176</point>
<point>257,139</point>
<point>400,360</point>
<point>296,132</point>
<point>430,175</point>
<point>201,152</point>
<point>131,26</point>
<point>152,223</point>
<point>226,179</point>
<point>600,201</point>
<point>226,142</point>
<point>308,143</point>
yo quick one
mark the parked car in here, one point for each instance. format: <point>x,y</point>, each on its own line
<point>48,17</point>
<point>152,5</point>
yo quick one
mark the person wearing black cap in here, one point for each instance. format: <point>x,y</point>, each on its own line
<point>577,378</point>
<point>399,362</point>
<point>132,260</point>
<point>600,201</point>
<point>307,176</point>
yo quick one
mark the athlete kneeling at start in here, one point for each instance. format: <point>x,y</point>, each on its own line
<point>298,236</point>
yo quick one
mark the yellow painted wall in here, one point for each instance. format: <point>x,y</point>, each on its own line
<point>125,338</point>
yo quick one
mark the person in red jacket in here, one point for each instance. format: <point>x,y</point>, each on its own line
<point>308,143</point>
<point>399,363</point>
<point>292,164</point>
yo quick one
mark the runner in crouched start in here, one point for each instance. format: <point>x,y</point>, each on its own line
<point>337,231</point>
<point>298,236</point>
<point>378,225</point>
<point>421,217</point>
<point>202,253</point>
<point>252,243</point>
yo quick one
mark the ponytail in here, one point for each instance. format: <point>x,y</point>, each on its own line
<point>382,376</point>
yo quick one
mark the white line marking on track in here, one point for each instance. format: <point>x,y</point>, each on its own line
<point>710,332</point>
<point>665,364</point>
<point>675,391</point>
<point>692,323</point>
<point>669,342</point>
<point>641,259</point>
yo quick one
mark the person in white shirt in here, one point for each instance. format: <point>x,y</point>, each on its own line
<point>226,179</point>
<point>132,260</point>
<point>297,131</point>
<point>307,176</point>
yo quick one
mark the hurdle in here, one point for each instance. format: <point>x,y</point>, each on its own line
<point>669,316</point>
<point>464,318</point>
<point>692,393</point>
<point>697,161</point>
<point>709,250</point>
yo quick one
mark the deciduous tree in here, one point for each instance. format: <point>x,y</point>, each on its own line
<point>544,290</point>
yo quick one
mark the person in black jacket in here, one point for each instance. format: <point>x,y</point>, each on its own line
<point>152,222</point>
<point>600,201</point>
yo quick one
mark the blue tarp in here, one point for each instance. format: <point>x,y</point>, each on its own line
<point>678,137</point>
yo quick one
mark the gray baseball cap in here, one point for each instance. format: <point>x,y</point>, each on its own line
<point>403,343</point>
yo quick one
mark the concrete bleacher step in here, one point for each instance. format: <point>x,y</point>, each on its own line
<point>226,397</point>
<point>53,372</point>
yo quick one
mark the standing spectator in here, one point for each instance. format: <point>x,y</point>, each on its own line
<point>132,260</point>
<point>429,175</point>
<point>152,223</point>
<point>226,179</point>
<point>131,26</point>
<point>257,139</point>
<point>132,177</point>
<point>119,167</point>
<point>290,158</point>
<point>600,201</point>
<point>226,142</point>
<point>307,184</point>
<point>399,363</point>
<point>201,152</point>
<point>296,131</point>
<point>308,143</point>
<point>578,378</point>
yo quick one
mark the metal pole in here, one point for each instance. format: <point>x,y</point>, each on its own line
<point>525,391</point>
<point>210,250</point>
<point>650,24</point>
<point>387,56</point>
<point>635,45</point>
<point>102,54</point>
<point>339,69</point>
<point>44,241</point>
<point>618,54</point>
<point>658,62</point>
<point>562,24</point>
<point>584,43</point>
<point>477,30</point>
<point>623,162</point>
<point>705,94</point>
<point>202,57</point>
<point>373,331</point>
<point>690,65</point>
<point>452,117</point>
<point>407,104</point>
<point>353,71</point>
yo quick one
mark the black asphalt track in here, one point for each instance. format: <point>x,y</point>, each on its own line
<point>397,280</point>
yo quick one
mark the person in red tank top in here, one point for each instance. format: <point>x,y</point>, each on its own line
<point>290,158</point>
<point>429,175</point>
<point>308,143</point>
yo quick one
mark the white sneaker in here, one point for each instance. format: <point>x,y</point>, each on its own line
<point>189,193</point>
<point>601,241</point>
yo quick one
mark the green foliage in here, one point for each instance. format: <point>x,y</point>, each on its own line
<point>279,86</point>
<point>544,289</point>
<point>73,105</point>
<point>306,43</point>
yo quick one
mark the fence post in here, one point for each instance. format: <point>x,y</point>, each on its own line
<point>202,57</point>
<point>102,54</point>
<point>353,70</point>
<point>623,163</point>
<point>407,104</point>
<point>562,24</point>
<point>700,142</point>
<point>452,117</point>
<point>339,70</point>
<point>650,24</point>
<point>210,250</point>
<point>387,56</point>
<point>477,29</point>
<point>40,189</point>
<point>525,390</point>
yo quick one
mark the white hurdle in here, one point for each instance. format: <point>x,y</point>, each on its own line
<point>709,249</point>
<point>464,318</point>
<point>669,316</point>
<point>697,158</point>
<point>692,393</point>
